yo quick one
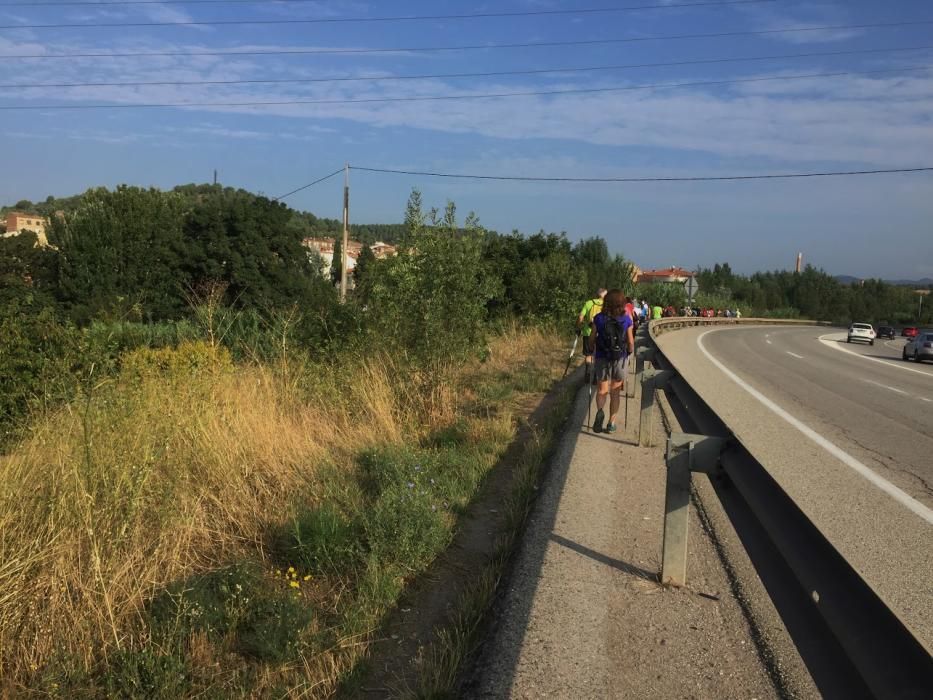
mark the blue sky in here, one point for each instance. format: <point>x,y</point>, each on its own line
<point>867,226</point>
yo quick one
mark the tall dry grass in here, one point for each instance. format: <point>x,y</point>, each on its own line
<point>176,466</point>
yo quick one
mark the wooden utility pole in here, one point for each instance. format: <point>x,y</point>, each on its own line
<point>346,232</point>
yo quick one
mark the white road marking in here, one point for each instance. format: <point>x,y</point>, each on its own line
<point>840,348</point>
<point>793,354</point>
<point>837,452</point>
<point>767,341</point>
<point>885,386</point>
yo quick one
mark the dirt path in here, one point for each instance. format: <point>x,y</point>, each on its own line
<point>583,615</point>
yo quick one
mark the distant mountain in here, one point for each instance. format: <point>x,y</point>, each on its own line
<point>925,282</point>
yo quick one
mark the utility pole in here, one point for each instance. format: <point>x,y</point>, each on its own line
<point>215,176</point>
<point>921,293</point>
<point>346,232</point>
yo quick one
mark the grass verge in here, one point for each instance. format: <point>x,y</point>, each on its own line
<point>196,527</point>
<point>440,663</point>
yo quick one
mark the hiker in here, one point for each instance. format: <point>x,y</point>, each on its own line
<point>656,312</point>
<point>613,343</point>
<point>584,325</point>
<point>632,314</point>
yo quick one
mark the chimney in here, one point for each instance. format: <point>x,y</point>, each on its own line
<point>799,262</point>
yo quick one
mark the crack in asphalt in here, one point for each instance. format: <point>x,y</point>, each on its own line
<point>889,463</point>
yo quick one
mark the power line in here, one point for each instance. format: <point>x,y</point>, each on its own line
<point>437,98</point>
<point>484,74</point>
<point>718,178</point>
<point>84,3</point>
<point>401,18</point>
<point>469,47</point>
<point>310,184</point>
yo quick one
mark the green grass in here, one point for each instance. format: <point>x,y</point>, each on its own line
<point>223,537</point>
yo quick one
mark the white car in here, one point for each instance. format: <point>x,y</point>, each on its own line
<point>861,331</point>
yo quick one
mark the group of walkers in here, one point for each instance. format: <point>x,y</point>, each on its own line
<point>607,323</point>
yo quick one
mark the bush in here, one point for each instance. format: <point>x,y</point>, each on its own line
<point>176,364</point>
<point>37,364</point>
<point>405,519</point>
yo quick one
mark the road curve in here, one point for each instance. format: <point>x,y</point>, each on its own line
<point>845,429</point>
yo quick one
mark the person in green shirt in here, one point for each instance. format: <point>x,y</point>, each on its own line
<point>656,312</point>
<point>585,327</point>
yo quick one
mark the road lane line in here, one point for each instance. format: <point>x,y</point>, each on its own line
<point>924,398</point>
<point>885,386</point>
<point>837,346</point>
<point>767,341</point>
<point>799,357</point>
<point>837,452</point>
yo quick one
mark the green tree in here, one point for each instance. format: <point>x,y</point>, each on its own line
<point>551,289</point>
<point>336,265</point>
<point>363,273</point>
<point>431,299</point>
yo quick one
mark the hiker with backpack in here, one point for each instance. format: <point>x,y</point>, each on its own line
<point>613,342</point>
<point>585,326</point>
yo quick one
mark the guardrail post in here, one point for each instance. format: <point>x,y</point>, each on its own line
<point>651,379</point>
<point>685,453</point>
<point>642,352</point>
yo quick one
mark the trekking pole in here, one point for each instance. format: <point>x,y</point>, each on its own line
<point>570,359</point>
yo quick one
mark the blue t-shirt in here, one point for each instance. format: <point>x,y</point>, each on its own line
<point>600,322</point>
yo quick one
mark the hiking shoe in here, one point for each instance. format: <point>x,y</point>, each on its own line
<point>611,428</point>
<point>598,422</point>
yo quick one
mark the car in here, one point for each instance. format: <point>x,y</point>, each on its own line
<point>909,332</point>
<point>886,332</point>
<point>861,331</point>
<point>919,348</point>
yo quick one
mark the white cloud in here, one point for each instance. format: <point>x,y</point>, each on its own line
<point>811,14</point>
<point>875,120</point>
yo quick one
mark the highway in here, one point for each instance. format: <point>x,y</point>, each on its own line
<point>845,429</point>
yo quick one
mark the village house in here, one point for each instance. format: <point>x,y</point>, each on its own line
<point>669,275</point>
<point>325,248</point>
<point>17,222</point>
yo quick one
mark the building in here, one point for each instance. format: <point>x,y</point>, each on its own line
<point>325,248</point>
<point>669,275</point>
<point>17,222</point>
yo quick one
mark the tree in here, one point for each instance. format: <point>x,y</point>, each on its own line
<point>336,265</point>
<point>551,289</point>
<point>431,298</point>
<point>362,274</point>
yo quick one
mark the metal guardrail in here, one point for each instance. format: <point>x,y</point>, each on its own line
<point>877,653</point>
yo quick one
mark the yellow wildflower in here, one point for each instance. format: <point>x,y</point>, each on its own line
<point>291,569</point>
<point>294,584</point>
<point>308,577</point>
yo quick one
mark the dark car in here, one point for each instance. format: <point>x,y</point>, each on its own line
<point>885,332</point>
<point>909,332</point>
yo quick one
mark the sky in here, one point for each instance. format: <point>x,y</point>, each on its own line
<point>877,116</point>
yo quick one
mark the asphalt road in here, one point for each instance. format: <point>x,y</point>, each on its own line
<point>845,429</point>
<point>866,399</point>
